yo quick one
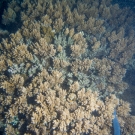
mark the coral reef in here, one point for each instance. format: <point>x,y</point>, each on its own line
<point>62,71</point>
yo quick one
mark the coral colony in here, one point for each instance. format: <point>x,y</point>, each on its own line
<point>62,70</point>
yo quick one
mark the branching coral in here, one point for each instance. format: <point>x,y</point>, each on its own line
<point>43,49</point>
<point>15,82</point>
<point>62,70</point>
<point>8,16</point>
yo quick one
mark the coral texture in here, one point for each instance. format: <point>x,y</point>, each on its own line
<point>62,70</point>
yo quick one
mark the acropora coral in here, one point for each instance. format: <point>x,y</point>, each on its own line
<point>62,70</point>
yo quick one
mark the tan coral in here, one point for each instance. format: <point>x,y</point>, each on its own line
<point>8,100</point>
<point>47,102</point>
<point>15,82</point>
<point>79,46</point>
<point>17,37</point>
<point>129,125</point>
<point>71,32</point>
<point>43,48</point>
<point>74,87</point>
<point>59,63</point>
<point>54,101</point>
<point>24,17</point>
<point>8,16</point>
<point>58,25</point>
<point>2,65</point>
<point>105,11</point>
<point>66,32</point>
<point>9,129</point>
<point>76,50</point>
<point>96,45</point>
<point>93,26</point>
<point>46,20</point>
<point>20,54</point>
<point>79,65</point>
<point>59,48</point>
<point>124,108</point>
<point>36,34</point>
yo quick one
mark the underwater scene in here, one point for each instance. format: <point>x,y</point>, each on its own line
<point>67,67</point>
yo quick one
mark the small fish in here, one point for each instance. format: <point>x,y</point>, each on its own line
<point>116,125</point>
